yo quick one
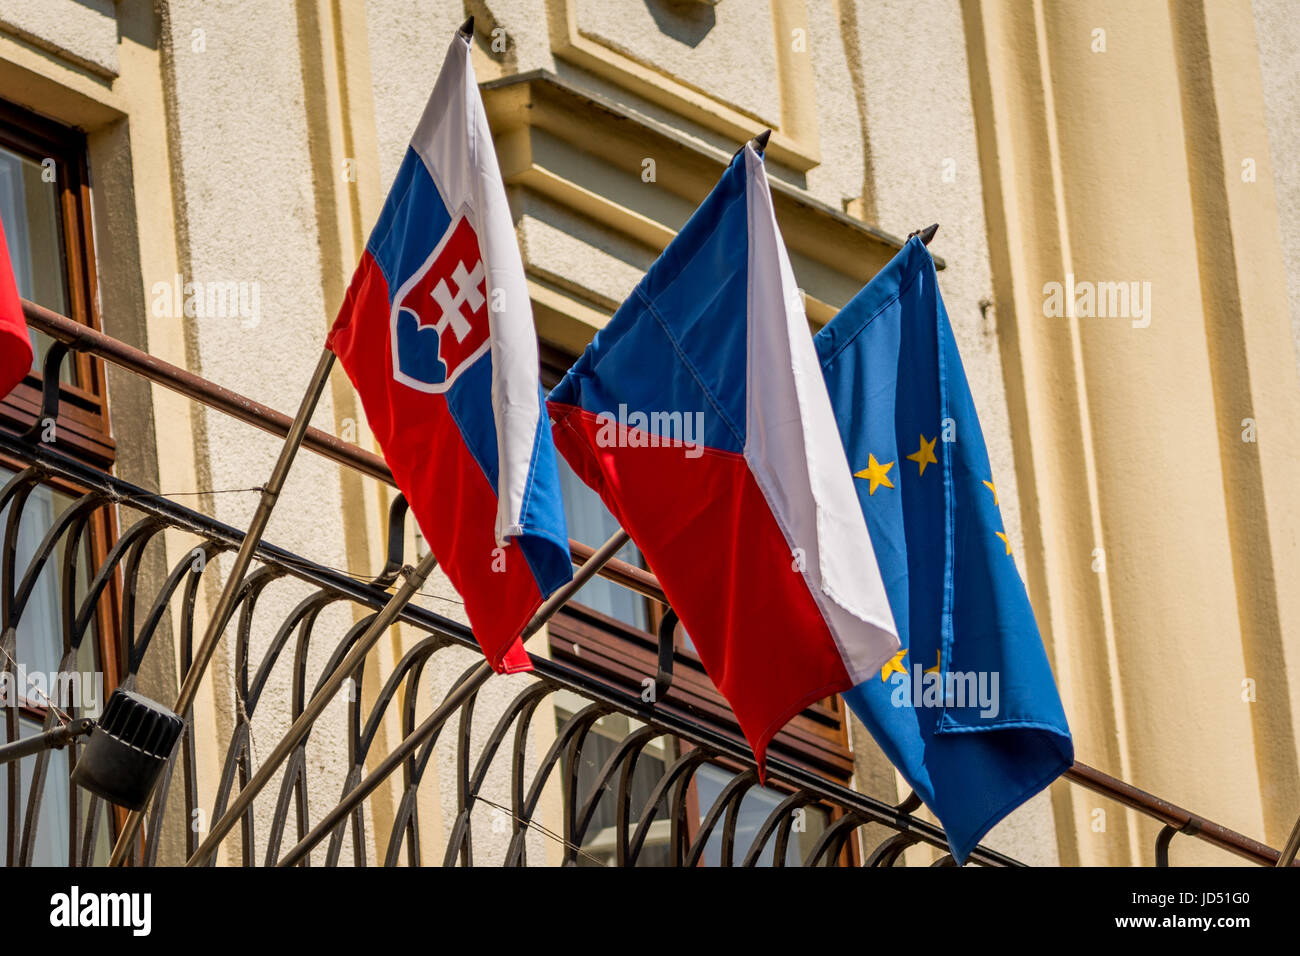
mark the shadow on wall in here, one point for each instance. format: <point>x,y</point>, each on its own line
<point>688,21</point>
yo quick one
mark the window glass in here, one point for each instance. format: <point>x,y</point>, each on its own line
<point>29,208</point>
<point>599,846</point>
<point>40,629</point>
<point>592,524</point>
<point>51,847</point>
<point>39,652</point>
<point>757,805</point>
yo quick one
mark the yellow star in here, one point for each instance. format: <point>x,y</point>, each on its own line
<point>875,473</point>
<point>895,663</point>
<point>1005,539</point>
<point>938,657</point>
<point>925,454</point>
<point>990,487</point>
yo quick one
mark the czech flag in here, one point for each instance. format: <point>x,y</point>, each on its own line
<point>15,345</point>
<point>700,416</point>
<point>967,710</point>
<point>437,335</point>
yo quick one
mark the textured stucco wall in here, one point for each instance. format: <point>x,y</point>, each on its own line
<point>1111,140</point>
<point>727,49</point>
<point>1278,34</point>
<point>240,156</point>
<point>82,31</point>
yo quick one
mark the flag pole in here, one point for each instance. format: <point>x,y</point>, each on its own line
<point>1288,854</point>
<point>454,699</point>
<point>226,603</point>
<point>302,726</point>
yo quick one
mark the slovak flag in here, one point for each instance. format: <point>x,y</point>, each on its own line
<point>700,416</point>
<point>436,333</point>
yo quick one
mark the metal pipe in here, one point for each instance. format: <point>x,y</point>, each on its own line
<point>1287,856</point>
<point>230,593</point>
<point>1170,814</point>
<point>454,700</point>
<point>319,701</point>
<point>55,739</point>
<point>82,338</point>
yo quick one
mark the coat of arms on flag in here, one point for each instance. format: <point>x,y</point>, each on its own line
<point>440,316</point>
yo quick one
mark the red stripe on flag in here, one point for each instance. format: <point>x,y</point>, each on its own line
<point>15,346</point>
<point>725,566</point>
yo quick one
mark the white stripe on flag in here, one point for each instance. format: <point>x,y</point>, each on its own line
<point>455,142</point>
<point>793,448</point>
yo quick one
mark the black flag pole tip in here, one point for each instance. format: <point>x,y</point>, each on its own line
<point>925,234</point>
<point>467,29</point>
<point>759,142</point>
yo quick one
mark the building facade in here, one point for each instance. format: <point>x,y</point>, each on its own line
<point>1118,193</point>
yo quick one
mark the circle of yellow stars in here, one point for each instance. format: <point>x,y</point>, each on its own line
<point>876,474</point>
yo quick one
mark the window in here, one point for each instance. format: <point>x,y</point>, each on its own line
<point>755,808</point>
<point>610,632</point>
<point>29,207</point>
<point>44,207</point>
<point>591,523</point>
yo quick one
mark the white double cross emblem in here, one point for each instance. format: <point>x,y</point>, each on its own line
<point>466,291</point>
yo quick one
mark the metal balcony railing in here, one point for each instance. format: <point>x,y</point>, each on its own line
<point>624,767</point>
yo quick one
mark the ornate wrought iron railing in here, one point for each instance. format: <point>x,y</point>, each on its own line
<point>623,767</point>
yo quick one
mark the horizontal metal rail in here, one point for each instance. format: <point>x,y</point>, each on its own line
<point>81,338</point>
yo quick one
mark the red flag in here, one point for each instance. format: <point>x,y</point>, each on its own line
<point>15,346</point>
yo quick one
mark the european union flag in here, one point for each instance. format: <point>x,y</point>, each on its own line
<point>968,710</point>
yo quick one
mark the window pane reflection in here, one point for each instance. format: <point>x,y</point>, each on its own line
<point>599,846</point>
<point>757,805</point>
<point>29,209</point>
<point>592,524</point>
<point>40,629</point>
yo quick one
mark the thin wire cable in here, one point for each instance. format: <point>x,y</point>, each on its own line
<point>185,494</point>
<point>545,831</point>
<point>64,718</point>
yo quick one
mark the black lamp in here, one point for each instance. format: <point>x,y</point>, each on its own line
<point>128,747</point>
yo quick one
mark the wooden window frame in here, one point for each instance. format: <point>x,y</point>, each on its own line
<point>83,423</point>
